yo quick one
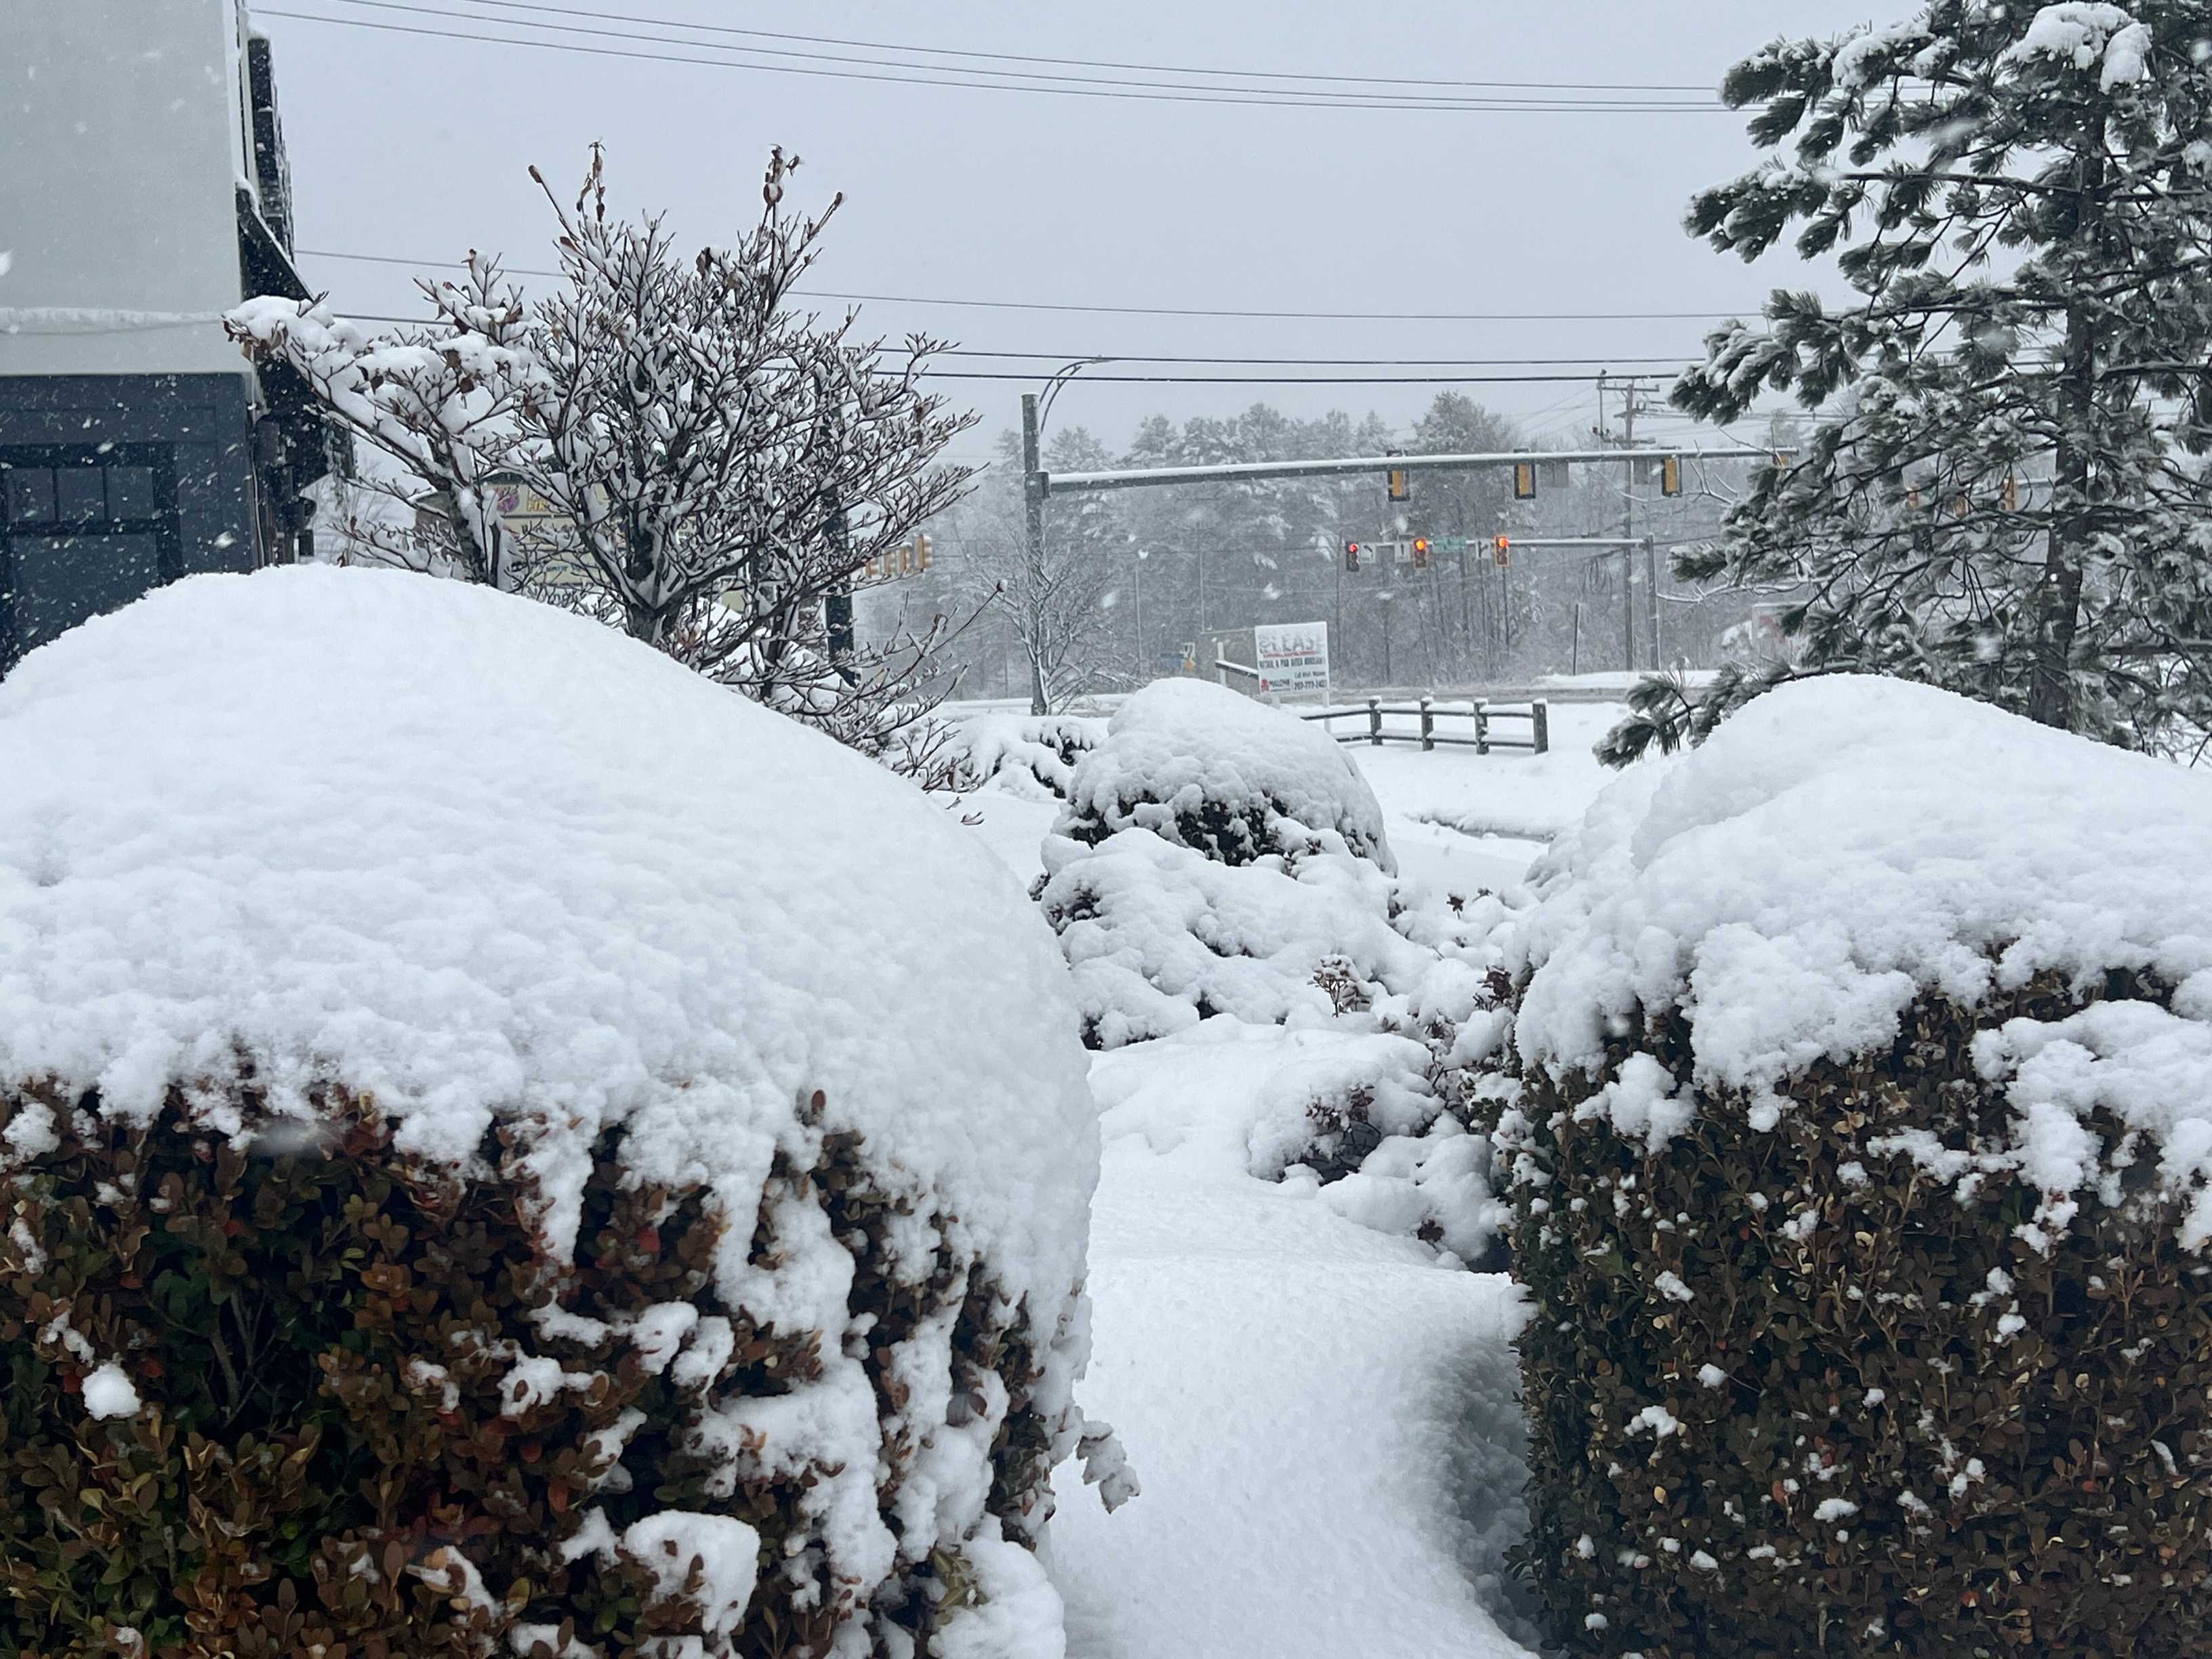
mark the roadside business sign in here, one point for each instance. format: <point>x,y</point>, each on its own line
<point>1292,656</point>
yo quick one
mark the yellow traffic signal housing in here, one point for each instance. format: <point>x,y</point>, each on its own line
<point>921,551</point>
<point>1400,486</point>
<point>2011,493</point>
<point>1670,475</point>
<point>1524,481</point>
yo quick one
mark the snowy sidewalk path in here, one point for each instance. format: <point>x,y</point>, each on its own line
<point>1323,1417</point>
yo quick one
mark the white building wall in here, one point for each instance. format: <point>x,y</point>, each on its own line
<point>124,134</point>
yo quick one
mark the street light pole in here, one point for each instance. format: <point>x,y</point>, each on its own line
<point>1033,419</point>
<point>1033,534</point>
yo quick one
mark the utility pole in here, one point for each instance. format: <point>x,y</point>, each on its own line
<point>1632,395</point>
<point>1033,527</point>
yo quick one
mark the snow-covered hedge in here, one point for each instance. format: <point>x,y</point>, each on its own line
<point>495,1158</point>
<point>1863,1180</point>
<point>1197,764</point>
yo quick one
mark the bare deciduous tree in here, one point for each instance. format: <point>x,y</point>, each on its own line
<point>717,465</point>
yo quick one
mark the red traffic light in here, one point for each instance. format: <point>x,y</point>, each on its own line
<point>1352,556</point>
<point>1420,552</point>
<point>1502,551</point>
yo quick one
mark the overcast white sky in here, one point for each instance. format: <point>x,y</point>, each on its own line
<point>414,146</point>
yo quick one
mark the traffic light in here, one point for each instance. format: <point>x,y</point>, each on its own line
<point>2011,493</point>
<point>1670,475</point>
<point>1524,481</point>
<point>1352,556</point>
<point>1420,552</point>
<point>1400,488</point>
<point>921,547</point>
<point>1501,551</point>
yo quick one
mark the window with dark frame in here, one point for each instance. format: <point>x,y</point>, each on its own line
<point>85,528</point>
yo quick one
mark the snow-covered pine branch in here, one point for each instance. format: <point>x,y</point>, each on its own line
<point>2012,506</point>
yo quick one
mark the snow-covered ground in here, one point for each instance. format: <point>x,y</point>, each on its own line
<point>1323,1416</point>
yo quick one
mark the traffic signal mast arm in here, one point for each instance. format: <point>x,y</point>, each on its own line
<point>1069,483</point>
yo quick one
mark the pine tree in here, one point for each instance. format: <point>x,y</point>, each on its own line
<point>2010,506</point>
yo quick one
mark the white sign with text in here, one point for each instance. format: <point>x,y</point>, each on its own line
<point>1292,656</point>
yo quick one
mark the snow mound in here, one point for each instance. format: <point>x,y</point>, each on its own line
<point>497,868</point>
<point>1198,764</point>
<point>1843,846</point>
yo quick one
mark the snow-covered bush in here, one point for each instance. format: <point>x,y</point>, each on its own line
<point>1218,856</point>
<point>1381,1129</point>
<point>1197,764</point>
<point>1862,1178</point>
<point>1160,936</point>
<point>1039,750</point>
<point>495,1160</point>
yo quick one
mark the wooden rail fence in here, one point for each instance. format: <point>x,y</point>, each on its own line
<point>1479,714</point>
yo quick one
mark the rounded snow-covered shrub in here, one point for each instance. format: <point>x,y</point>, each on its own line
<point>496,1158</point>
<point>1217,856</point>
<point>1859,1172</point>
<point>1160,937</point>
<point>1201,766</point>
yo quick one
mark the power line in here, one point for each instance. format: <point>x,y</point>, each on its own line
<point>1141,311</point>
<point>1315,363</point>
<point>1029,378</point>
<point>1279,380</point>
<point>1249,97</point>
<point>1229,362</point>
<point>1085,62</point>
